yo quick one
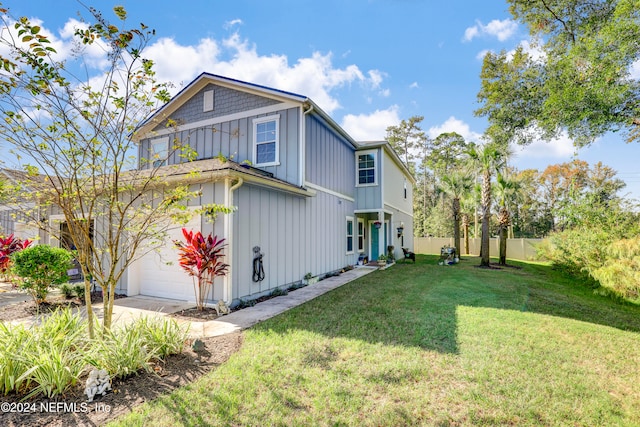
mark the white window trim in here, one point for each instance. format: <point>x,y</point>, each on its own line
<point>352,235</point>
<point>256,122</point>
<point>375,168</point>
<point>364,231</point>
<point>153,152</point>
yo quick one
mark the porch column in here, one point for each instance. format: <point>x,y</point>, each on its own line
<point>381,236</point>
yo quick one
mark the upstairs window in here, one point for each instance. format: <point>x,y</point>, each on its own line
<point>159,150</point>
<point>366,168</point>
<point>265,141</point>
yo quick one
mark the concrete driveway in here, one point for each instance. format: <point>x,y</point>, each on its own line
<point>8,295</point>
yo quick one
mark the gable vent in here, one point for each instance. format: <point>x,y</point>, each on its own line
<point>208,101</point>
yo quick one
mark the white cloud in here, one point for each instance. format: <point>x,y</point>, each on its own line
<point>480,56</point>
<point>561,148</point>
<point>233,22</point>
<point>455,125</point>
<point>531,48</point>
<point>385,93</point>
<point>471,32</point>
<point>502,30</point>
<point>635,70</point>
<point>373,126</point>
<point>313,76</point>
<point>414,85</point>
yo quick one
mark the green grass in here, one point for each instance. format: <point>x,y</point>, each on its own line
<point>428,345</point>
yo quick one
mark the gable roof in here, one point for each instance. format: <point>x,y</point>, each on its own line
<point>206,78</point>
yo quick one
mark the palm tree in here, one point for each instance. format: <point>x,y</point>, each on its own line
<point>468,204</point>
<point>456,184</point>
<point>506,190</point>
<point>488,158</point>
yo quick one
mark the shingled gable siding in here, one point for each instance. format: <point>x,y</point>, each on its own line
<point>225,101</point>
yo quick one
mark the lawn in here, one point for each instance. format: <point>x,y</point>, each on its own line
<point>426,344</point>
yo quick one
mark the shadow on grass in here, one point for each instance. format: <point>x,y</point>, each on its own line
<point>416,304</point>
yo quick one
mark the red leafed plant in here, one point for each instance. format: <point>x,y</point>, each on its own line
<point>9,245</point>
<point>201,257</point>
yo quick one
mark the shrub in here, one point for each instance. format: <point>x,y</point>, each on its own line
<point>620,273</point>
<point>67,290</point>
<point>245,303</point>
<point>163,336</point>
<point>47,359</point>
<point>50,357</point>
<point>40,267</point>
<point>278,292</point>
<point>201,257</point>
<point>8,246</point>
<point>123,352</point>
<point>79,290</point>
<point>15,341</point>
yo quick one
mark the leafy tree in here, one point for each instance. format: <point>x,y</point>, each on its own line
<point>577,80</point>
<point>447,152</point>
<point>406,137</point>
<point>73,135</point>
<point>40,267</point>
<point>560,183</point>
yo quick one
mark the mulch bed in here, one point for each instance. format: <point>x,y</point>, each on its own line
<point>22,310</point>
<point>195,315</point>
<point>175,372</point>
<point>72,409</point>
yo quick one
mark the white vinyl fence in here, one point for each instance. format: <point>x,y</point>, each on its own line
<point>518,249</point>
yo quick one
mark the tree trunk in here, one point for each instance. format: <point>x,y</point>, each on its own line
<point>503,245</point>
<point>88,306</point>
<point>465,227</point>
<point>486,216</point>
<point>456,224</point>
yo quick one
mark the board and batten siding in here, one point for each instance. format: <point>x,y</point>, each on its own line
<point>369,196</point>
<point>330,161</point>
<point>297,235</point>
<point>394,184</point>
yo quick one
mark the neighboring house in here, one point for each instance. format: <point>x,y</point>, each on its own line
<point>309,198</point>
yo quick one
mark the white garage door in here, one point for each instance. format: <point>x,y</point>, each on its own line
<point>159,272</point>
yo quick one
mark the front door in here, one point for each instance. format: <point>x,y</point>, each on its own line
<point>373,249</point>
<point>374,241</point>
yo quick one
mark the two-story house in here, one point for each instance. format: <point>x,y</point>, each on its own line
<point>309,198</point>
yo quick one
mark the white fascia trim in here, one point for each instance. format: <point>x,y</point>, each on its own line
<point>397,209</point>
<point>220,119</point>
<point>326,190</point>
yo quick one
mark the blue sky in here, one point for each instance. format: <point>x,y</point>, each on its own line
<point>368,63</point>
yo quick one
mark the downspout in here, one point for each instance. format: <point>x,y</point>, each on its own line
<point>227,295</point>
<point>303,145</point>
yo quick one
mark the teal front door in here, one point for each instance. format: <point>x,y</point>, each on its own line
<point>374,242</point>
